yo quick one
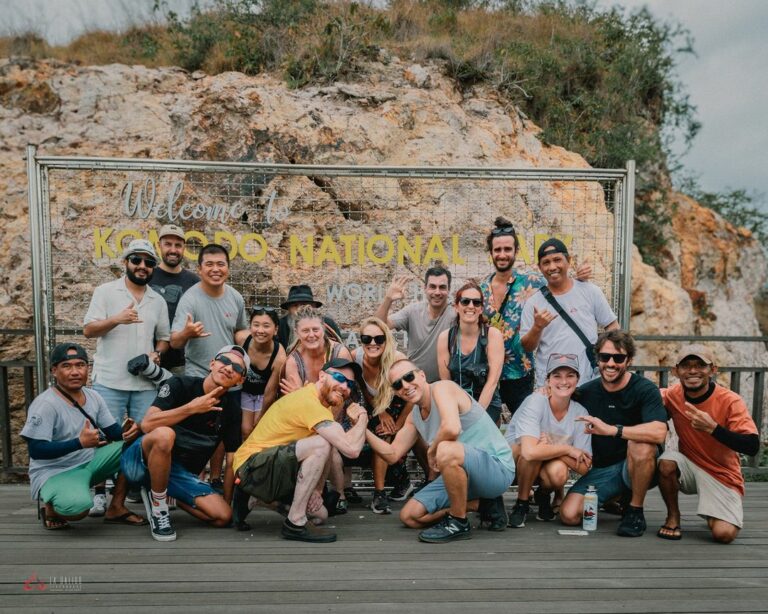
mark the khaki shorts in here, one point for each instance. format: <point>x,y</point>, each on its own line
<point>716,500</point>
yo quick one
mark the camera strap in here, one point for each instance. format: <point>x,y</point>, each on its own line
<point>69,397</point>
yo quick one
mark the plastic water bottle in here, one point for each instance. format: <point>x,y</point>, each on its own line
<point>589,516</point>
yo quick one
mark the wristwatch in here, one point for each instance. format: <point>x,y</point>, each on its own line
<point>619,431</point>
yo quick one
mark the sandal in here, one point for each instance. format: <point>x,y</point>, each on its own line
<point>52,523</point>
<point>670,533</point>
<point>138,521</point>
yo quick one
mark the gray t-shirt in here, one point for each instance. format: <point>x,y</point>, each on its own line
<point>534,419</point>
<point>51,418</point>
<point>587,306</point>
<point>422,334</point>
<point>221,316</point>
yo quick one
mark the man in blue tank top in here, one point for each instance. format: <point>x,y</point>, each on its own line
<point>465,447</point>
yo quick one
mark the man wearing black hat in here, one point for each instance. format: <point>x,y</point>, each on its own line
<point>286,457</point>
<point>298,296</point>
<point>74,442</point>
<point>564,315</point>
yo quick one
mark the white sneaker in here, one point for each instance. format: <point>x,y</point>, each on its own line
<point>99,506</point>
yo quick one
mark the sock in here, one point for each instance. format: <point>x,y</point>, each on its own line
<point>635,509</point>
<point>292,525</point>
<point>159,501</point>
<point>459,520</point>
<point>521,502</point>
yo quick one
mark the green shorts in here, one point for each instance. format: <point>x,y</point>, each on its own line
<point>270,475</point>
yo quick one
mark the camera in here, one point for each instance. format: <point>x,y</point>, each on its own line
<point>142,365</point>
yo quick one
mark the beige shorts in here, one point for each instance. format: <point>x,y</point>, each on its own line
<point>716,500</point>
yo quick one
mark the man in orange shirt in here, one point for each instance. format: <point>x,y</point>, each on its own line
<point>713,427</point>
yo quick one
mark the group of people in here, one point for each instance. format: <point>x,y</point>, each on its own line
<point>279,408</point>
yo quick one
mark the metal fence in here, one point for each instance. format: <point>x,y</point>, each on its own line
<point>345,230</point>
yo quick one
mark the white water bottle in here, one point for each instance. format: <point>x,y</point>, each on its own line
<point>589,515</point>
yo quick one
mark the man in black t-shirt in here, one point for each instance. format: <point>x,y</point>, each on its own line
<point>628,423</point>
<point>170,281</point>
<point>188,419</point>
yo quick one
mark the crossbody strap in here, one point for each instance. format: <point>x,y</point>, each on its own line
<point>66,395</point>
<point>574,327</point>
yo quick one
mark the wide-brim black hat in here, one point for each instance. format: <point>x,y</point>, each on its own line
<point>300,294</point>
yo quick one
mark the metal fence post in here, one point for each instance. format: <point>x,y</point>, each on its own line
<point>37,234</point>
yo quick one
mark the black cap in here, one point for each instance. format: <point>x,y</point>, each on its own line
<point>552,246</point>
<point>67,351</point>
<point>300,294</point>
<point>344,363</point>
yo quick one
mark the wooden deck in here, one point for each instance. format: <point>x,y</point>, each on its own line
<point>378,566</point>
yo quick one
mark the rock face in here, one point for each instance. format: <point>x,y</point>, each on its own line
<point>401,114</point>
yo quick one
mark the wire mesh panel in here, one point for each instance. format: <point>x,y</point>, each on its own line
<point>345,231</point>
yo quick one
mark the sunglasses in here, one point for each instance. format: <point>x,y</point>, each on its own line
<point>259,309</point>
<point>408,378</point>
<point>464,302</point>
<point>504,230</point>
<point>339,377</point>
<point>151,263</point>
<point>617,358</point>
<point>225,360</point>
<point>377,339</point>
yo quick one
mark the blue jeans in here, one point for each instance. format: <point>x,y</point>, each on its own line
<point>122,403</point>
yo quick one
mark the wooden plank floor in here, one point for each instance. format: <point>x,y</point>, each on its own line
<point>379,566</point>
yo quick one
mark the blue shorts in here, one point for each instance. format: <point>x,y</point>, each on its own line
<point>182,484</point>
<point>610,481</point>
<point>487,478</point>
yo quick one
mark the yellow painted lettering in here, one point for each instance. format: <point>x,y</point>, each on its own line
<point>405,248</point>
<point>389,247</point>
<point>297,247</point>
<point>457,259</point>
<point>130,232</point>
<point>435,251</point>
<point>524,254</point>
<point>327,251</point>
<point>100,246</point>
<point>346,241</point>
<point>191,235</point>
<point>245,239</point>
<point>221,237</point>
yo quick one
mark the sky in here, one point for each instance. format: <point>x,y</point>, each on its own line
<point>727,79</point>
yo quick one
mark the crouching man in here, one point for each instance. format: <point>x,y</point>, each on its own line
<point>287,456</point>
<point>69,429</point>
<point>465,447</point>
<point>187,420</point>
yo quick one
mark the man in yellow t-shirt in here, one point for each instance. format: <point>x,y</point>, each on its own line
<point>286,455</point>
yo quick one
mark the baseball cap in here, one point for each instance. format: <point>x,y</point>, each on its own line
<point>236,348</point>
<point>699,351</point>
<point>67,351</point>
<point>344,363</point>
<point>139,246</point>
<point>555,361</point>
<point>552,246</point>
<point>171,230</point>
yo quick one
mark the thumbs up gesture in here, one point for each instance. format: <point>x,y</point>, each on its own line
<point>129,315</point>
<point>89,436</point>
<point>194,329</point>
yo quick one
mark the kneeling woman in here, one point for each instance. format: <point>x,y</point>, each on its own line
<point>547,440</point>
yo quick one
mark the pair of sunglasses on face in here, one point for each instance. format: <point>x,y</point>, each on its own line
<point>407,378</point>
<point>150,263</point>
<point>377,339</point>
<point>339,377</point>
<point>619,359</point>
<point>225,360</point>
<point>464,302</point>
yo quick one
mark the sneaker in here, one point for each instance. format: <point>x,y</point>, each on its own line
<point>307,533</point>
<point>633,523</point>
<point>351,495</point>
<point>134,494</point>
<point>380,503</point>
<point>543,499</point>
<point>159,522</point>
<point>493,513</point>
<point>99,506</point>
<point>519,512</point>
<point>341,507</point>
<point>171,503</point>
<point>448,529</point>
<point>402,491</point>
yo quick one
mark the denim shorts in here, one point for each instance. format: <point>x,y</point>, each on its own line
<point>609,481</point>
<point>487,477</point>
<point>182,484</point>
<point>251,402</point>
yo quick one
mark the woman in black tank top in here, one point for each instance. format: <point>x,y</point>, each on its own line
<point>267,356</point>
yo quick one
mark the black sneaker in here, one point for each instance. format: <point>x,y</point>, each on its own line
<point>633,523</point>
<point>543,499</point>
<point>351,495</point>
<point>307,533</point>
<point>519,512</point>
<point>159,522</point>
<point>493,514</point>
<point>240,509</point>
<point>447,530</point>
<point>402,491</point>
<point>380,503</point>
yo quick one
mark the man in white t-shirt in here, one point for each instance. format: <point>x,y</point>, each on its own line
<point>543,330</point>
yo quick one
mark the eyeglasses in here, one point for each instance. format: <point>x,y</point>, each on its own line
<point>377,339</point>
<point>619,359</point>
<point>339,377</point>
<point>504,230</point>
<point>151,263</point>
<point>464,302</point>
<point>408,377</point>
<point>225,360</point>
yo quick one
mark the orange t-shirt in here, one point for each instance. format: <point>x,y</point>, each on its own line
<point>727,409</point>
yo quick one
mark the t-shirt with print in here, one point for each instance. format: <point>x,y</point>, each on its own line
<point>289,419</point>
<point>52,418</point>
<point>171,286</point>
<point>221,316</point>
<point>198,435</point>
<point>727,409</point>
<point>517,362</point>
<point>535,418</point>
<point>638,402</point>
<point>422,334</point>
<point>587,306</point>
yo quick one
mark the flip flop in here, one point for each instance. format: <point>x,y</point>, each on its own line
<point>670,533</point>
<point>124,519</point>
<point>52,524</point>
